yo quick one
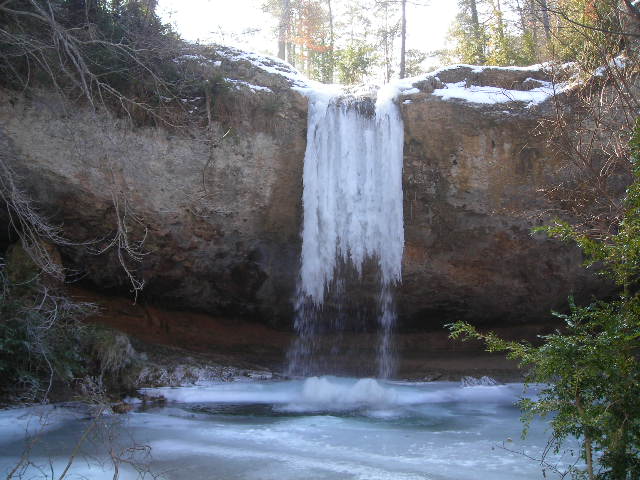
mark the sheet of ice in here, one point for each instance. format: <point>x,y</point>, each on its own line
<point>18,423</point>
<point>493,95</point>
<point>52,432</point>
<point>403,438</point>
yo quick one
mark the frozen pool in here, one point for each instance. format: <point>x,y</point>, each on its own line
<point>318,428</point>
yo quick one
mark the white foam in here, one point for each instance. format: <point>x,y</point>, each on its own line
<point>322,390</point>
<point>338,394</point>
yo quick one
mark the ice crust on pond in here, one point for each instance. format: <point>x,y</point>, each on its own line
<point>322,428</point>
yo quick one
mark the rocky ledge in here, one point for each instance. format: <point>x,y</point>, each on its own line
<point>214,213</point>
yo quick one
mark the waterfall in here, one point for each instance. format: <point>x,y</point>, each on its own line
<point>352,201</point>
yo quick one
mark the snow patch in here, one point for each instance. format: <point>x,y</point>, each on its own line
<point>487,95</point>
<point>618,63</point>
<point>191,58</point>
<point>239,84</point>
<point>266,63</point>
<point>530,68</point>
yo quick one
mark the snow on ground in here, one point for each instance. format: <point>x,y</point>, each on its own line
<point>266,63</point>
<point>488,95</point>
<point>239,84</point>
<point>483,95</point>
<point>483,68</point>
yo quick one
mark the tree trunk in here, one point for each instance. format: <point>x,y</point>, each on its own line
<point>385,44</point>
<point>588,443</point>
<point>534,24</point>
<point>283,29</point>
<point>403,39</point>
<point>500,19</point>
<point>546,21</point>
<point>291,53</point>
<point>331,44</point>
<point>477,33</point>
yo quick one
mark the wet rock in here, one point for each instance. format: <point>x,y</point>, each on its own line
<point>122,407</point>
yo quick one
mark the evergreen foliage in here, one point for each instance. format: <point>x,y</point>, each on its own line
<point>354,62</point>
<point>45,344</point>
<point>42,339</point>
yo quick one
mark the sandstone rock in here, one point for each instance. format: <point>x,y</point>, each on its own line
<point>220,218</point>
<point>472,177</point>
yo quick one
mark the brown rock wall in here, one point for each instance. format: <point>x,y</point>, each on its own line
<point>222,223</point>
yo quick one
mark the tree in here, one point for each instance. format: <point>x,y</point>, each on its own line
<point>389,28</point>
<point>403,39</point>
<point>332,44</point>
<point>354,62</point>
<point>355,53</point>
<point>305,35</point>
<point>478,35</point>
<point>283,28</point>
<point>414,59</point>
<point>318,35</point>
<point>469,36</point>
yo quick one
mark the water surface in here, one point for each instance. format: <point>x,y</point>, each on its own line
<point>318,428</point>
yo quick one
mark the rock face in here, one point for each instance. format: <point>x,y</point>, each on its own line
<point>472,180</point>
<point>220,217</point>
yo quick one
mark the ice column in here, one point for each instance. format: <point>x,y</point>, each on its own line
<point>352,201</point>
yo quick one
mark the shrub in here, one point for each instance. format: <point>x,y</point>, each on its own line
<point>41,337</point>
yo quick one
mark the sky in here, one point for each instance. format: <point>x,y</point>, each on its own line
<point>224,21</point>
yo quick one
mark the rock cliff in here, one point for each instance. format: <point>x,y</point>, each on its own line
<point>220,214</point>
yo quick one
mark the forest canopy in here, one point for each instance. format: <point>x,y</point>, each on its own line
<point>351,40</point>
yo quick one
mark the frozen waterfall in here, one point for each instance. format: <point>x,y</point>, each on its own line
<point>353,220</point>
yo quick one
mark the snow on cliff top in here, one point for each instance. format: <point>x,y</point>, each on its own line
<point>488,95</point>
<point>456,90</point>
<point>465,82</point>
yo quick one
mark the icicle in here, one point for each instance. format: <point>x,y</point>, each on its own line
<point>352,202</point>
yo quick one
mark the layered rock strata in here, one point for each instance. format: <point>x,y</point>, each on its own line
<point>220,215</point>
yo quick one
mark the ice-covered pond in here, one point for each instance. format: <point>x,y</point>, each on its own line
<point>318,428</point>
